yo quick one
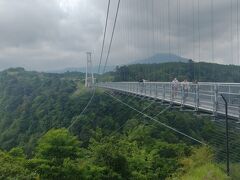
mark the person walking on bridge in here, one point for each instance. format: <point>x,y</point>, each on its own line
<point>141,82</point>
<point>174,87</point>
<point>185,89</point>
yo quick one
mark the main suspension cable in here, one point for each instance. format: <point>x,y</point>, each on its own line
<point>113,31</point>
<point>104,37</point>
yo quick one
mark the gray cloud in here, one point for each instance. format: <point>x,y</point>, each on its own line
<point>42,35</point>
<point>144,21</point>
<point>54,34</point>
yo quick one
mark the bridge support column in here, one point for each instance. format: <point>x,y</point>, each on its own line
<point>164,93</point>
<point>215,103</point>
<point>239,109</point>
<point>197,97</point>
<point>150,87</point>
<point>182,97</point>
<point>156,90</point>
<point>239,112</point>
<point>145,88</point>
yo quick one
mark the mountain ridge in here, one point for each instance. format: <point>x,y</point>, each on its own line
<point>154,59</point>
<point>161,58</point>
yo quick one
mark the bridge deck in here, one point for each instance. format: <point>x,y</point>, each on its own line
<point>201,96</point>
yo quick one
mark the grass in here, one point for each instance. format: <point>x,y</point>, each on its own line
<point>81,90</point>
<point>208,171</point>
<point>200,166</point>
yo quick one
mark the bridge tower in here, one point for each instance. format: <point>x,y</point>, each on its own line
<point>89,79</point>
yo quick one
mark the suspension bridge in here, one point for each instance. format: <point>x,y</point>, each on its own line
<point>203,96</point>
<point>187,28</point>
<point>163,25</point>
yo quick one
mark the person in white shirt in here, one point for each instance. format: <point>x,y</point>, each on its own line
<point>185,88</point>
<point>174,87</point>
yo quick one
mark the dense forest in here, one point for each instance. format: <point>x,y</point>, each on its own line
<point>204,72</point>
<point>44,135</point>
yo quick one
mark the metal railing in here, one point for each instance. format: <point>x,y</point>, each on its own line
<point>205,96</point>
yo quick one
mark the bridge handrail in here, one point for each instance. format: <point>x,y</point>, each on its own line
<point>203,95</point>
<point>200,83</point>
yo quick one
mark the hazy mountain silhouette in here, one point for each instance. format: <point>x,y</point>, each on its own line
<point>82,69</point>
<point>161,58</point>
<point>155,59</point>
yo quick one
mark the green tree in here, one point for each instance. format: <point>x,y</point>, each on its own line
<point>56,156</point>
<point>105,154</point>
<point>57,145</point>
<point>14,168</point>
<point>17,152</point>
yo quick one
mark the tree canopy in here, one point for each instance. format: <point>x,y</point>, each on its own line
<point>108,141</point>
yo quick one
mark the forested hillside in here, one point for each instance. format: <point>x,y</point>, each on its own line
<point>205,72</point>
<point>31,103</point>
<point>108,141</point>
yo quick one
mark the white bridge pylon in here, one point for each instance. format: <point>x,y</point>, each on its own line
<point>89,80</point>
<point>201,96</point>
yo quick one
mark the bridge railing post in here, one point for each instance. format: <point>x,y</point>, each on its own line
<point>182,96</point>
<point>239,107</point>
<point>156,90</point>
<point>229,92</point>
<point>239,110</point>
<point>150,89</point>
<point>215,104</point>
<point>145,88</point>
<point>197,96</point>
<point>138,86</point>
<point>164,93</point>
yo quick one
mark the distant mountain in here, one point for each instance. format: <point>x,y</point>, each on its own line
<point>161,58</point>
<point>82,69</point>
<point>155,59</point>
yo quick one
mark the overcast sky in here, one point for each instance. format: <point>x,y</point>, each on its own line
<point>55,34</point>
